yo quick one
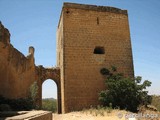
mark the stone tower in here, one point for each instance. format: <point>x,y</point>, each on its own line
<point>90,38</point>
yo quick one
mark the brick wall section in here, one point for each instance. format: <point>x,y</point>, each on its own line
<point>81,29</point>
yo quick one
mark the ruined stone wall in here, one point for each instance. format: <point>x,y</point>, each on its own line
<point>93,37</point>
<point>17,72</point>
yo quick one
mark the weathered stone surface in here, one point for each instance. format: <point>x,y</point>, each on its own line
<point>17,72</point>
<point>94,8</point>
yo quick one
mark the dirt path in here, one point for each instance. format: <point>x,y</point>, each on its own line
<point>108,115</point>
<point>114,115</point>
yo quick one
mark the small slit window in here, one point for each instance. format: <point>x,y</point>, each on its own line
<point>99,50</point>
<point>97,20</point>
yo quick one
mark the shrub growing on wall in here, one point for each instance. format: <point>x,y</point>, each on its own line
<point>122,92</point>
<point>33,95</point>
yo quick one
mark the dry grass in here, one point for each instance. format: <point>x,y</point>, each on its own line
<point>101,113</point>
<point>156,101</point>
<point>93,114</point>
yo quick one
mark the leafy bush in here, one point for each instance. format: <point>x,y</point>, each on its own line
<point>33,91</point>
<point>22,103</point>
<point>5,107</point>
<point>125,93</point>
<point>17,104</point>
<point>49,104</point>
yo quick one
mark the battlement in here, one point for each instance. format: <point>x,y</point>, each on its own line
<point>95,8</point>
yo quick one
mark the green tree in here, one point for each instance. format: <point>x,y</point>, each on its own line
<point>33,95</point>
<point>49,104</point>
<point>122,92</point>
<point>34,90</point>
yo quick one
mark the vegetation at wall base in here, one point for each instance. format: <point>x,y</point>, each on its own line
<point>124,92</point>
<point>15,104</point>
<point>19,104</point>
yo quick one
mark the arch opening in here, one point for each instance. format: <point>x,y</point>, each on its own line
<point>50,95</point>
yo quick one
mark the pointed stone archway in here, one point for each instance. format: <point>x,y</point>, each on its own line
<point>49,73</point>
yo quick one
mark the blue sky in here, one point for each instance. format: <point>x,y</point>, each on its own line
<point>34,23</point>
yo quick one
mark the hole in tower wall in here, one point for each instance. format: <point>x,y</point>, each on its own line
<point>67,11</point>
<point>99,50</point>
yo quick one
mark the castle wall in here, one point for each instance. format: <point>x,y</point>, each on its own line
<point>85,29</point>
<point>17,72</point>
